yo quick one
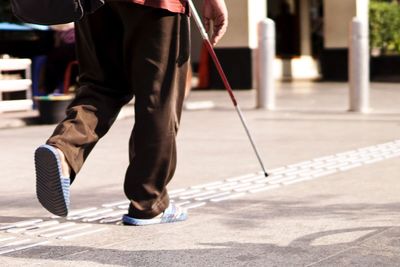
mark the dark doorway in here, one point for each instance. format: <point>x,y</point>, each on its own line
<point>317,27</point>
<point>285,13</point>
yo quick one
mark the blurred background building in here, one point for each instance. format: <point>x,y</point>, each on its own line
<point>312,40</point>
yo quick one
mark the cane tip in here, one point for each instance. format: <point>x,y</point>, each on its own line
<point>266,174</point>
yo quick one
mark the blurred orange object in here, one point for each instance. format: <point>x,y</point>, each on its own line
<point>204,68</point>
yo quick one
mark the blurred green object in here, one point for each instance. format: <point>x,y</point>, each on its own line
<point>385,27</point>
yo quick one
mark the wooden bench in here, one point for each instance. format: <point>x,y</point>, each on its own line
<point>11,84</point>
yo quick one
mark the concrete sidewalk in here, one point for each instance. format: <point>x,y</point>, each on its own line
<point>332,199</point>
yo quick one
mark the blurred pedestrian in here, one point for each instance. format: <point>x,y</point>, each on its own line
<point>127,49</point>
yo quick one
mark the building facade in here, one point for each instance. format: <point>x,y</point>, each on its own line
<point>311,39</point>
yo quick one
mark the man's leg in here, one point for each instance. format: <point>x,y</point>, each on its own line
<point>157,53</point>
<point>103,89</point>
<point>102,92</point>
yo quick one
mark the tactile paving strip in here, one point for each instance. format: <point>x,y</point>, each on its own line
<point>36,232</point>
<point>230,188</point>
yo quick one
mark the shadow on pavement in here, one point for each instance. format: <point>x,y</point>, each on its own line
<point>303,243</point>
<point>255,210</point>
<point>246,213</point>
<point>300,252</point>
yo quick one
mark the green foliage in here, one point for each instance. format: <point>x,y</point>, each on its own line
<point>385,26</point>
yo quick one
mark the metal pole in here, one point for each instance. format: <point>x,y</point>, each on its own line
<point>265,70</point>
<point>359,66</point>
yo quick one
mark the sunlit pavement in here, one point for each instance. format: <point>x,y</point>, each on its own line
<point>332,198</point>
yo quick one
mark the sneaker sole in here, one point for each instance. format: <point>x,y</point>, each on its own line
<point>129,221</point>
<point>52,190</point>
<point>169,217</point>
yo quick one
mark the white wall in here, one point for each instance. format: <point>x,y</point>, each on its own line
<point>244,16</point>
<point>237,33</point>
<point>338,15</point>
<point>257,11</point>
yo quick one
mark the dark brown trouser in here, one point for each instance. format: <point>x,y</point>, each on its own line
<point>127,50</point>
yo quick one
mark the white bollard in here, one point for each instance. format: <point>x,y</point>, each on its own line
<point>359,66</point>
<point>265,65</point>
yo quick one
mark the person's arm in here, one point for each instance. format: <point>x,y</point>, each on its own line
<point>215,13</point>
